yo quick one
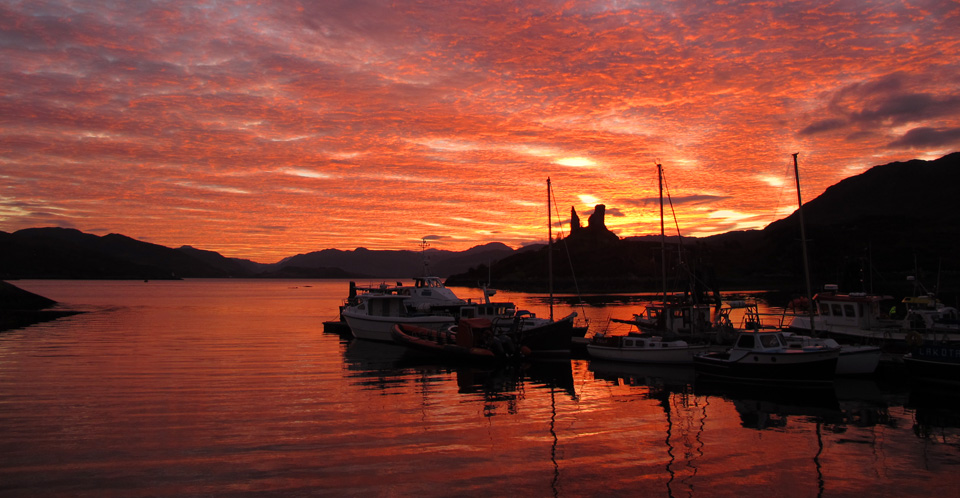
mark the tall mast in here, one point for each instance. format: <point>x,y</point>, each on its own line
<point>663,237</point>
<point>549,249</point>
<point>803,241</point>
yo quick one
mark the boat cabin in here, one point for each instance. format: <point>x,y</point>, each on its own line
<point>382,305</point>
<point>856,309</point>
<point>754,340</point>
<point>488,311</point>
<point>674,317</point>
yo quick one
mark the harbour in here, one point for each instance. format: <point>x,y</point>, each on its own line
<point>231,388</point>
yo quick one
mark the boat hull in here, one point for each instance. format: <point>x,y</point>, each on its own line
<point>797,367</point>
<point>682,354</point>
<point>939,364</point>
<point>858,360</point>
<point>378,328</point>
<point>552,339</point>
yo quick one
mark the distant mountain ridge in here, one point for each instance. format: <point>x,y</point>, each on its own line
<point>72,254</point>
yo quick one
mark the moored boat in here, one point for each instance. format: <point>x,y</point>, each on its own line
<point>763,356</point>
<point>858,316</point>
<point>374,315</point>
<point>643,348</point>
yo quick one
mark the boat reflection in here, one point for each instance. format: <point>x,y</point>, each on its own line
<point>936,413</point>
<point>385,366</point>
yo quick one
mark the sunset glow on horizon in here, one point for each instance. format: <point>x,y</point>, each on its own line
<point>266,130</point>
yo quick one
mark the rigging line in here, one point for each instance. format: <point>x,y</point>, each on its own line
<point>674,213</point>
<point>676,223</point>
<point>566,249</point>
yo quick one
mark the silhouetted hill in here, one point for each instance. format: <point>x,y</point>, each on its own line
<point>69,253</point>
<point>363,261</point>
<point>231,267</point>
<point>873,229</point>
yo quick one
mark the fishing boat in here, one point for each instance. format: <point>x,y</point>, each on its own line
<point>662,326</point>
<point>471,339</point>
<point>858,316</point>
<point>643,348</point>
<point>373,316</point>
<point>766,356</point>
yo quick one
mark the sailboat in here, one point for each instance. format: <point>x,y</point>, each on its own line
<point>660,326</point>
<point>854,359</point>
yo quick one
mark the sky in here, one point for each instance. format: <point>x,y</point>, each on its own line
<point>267,129</point>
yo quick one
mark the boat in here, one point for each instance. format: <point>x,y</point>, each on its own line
<point>766,356</point>
<point>643,348</point>
<point>854,359</point>
<point>688,315</point>
<point>858,316</point>
<point>472,339</point>
<point>545,338</point>
<point>661,327</point>
<point>373,316</point>
<point>937,363</point>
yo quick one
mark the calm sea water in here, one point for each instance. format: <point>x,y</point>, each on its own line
<point>231,388</point>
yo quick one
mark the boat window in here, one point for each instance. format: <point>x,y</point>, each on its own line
<point>824,309</point>
<point>745,341</point>
<point>628,343</point>
<point>426,293</point>
<point>769,341</point>
<point>837,310</point>
<point>848,310</point>
<point>468,313</point>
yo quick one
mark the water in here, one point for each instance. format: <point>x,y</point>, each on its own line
<point>230,388</point>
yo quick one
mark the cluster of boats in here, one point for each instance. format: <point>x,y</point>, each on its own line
<point>844,334</point>
<point>847,334</point>
<point>428,316</point>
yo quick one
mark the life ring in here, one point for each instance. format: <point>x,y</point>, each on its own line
<point>915,339</point>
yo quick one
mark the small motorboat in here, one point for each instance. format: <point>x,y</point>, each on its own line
<point>763,356</point>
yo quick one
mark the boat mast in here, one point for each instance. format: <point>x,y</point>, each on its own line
<point>549,249</point>
<point>663,237</point>
<point>803,241</point>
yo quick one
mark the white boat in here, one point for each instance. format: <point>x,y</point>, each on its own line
<point>373,316</point>
<point>425,293</point>
<point>859,316</point>
<point>766,356</point>
<point>854,359</point>
<point>643,348</point>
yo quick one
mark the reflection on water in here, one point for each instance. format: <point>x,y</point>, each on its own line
<point>231,388</point>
